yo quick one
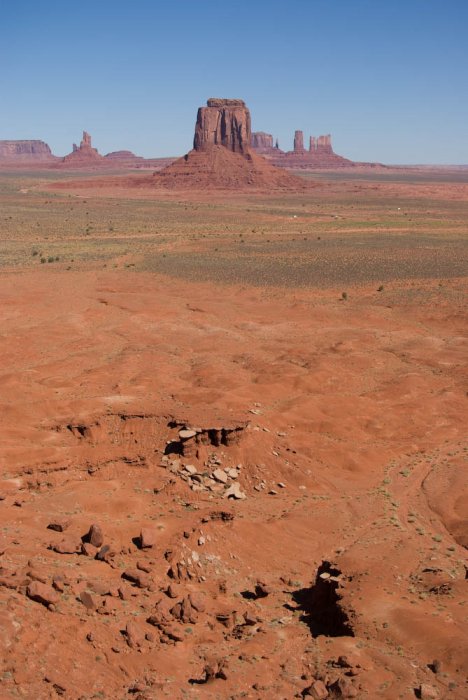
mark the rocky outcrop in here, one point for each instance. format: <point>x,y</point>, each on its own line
<point>20,151</point>
<point>222,157</point>
<point>84,154</point>
<point>223,123</point>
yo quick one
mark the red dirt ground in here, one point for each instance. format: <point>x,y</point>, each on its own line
<point>342,572</point>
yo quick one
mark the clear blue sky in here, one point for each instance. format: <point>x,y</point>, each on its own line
<point>387,78</point>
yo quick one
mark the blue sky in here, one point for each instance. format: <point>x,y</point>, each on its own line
<point>387,78</point>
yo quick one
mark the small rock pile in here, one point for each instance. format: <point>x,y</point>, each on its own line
<point>211,477</point>
<point>340,679</point>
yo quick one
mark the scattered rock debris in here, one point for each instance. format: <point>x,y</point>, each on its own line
<point>210,477</point>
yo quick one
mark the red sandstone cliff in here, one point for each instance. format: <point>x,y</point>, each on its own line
<point>223,123</point>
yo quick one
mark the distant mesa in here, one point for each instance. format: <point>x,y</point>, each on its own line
<point>262,142</point>
<point>222,156</point>
<point>222,124</point>
<point>25,151</point>
<point>123,155</point>
<point>85,155</point>
<point>320,153</point>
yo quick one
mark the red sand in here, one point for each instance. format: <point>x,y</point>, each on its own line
<point>353,455</point>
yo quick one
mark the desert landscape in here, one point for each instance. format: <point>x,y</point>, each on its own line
<point>233,418</point>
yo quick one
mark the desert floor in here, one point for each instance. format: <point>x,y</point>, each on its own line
<point>306,532</point>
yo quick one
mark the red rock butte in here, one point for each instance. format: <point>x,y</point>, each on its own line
<point>84,154</point>
<point>222,157</point>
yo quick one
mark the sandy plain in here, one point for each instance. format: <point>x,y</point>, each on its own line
<point>317,343</point>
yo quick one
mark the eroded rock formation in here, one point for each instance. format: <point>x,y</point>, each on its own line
<point>223,123</point>
<point>84,153</point>
<point>222,156</point>
<point>86,142</point>
<point>319,155</point>
<point>323,144</point>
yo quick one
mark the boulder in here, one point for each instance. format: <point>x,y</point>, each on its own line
<point>90,601</point>
<point>59,524</point>
<point>95,536</point>
<point>134,634</point>
<point>68,545</point>
<point>42,593</point>
<point>148,537</point>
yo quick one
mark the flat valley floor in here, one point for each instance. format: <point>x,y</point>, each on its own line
<point>259,402</point>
